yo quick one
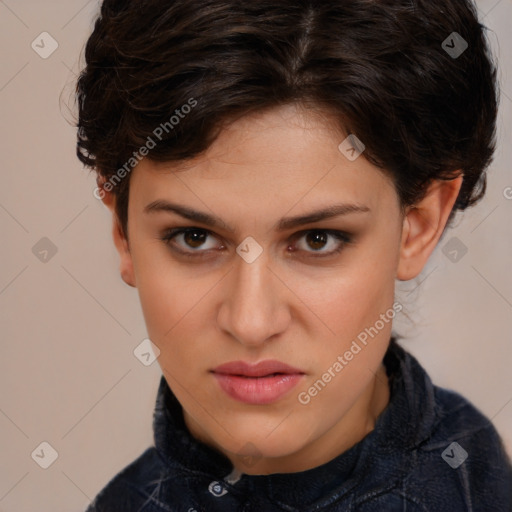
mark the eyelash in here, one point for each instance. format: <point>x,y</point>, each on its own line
<point>341,236</point>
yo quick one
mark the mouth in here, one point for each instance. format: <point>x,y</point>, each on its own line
<point>257,384</point>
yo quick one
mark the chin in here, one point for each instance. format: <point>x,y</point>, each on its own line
<point>258,440</point>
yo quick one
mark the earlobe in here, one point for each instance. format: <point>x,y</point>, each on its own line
<point>423,226</point>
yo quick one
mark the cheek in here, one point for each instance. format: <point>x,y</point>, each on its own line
<point>165,293</point>
<point>351,298</point>
<point>174,302</point>
<point>169,304</point>
<point>171,309</point>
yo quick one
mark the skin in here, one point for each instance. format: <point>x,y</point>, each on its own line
<point>288,304</point>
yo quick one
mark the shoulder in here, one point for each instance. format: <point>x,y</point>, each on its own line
<point>458,420</point>
<point>135,486</point>
<point>460,466</point>
<point>464,460</point>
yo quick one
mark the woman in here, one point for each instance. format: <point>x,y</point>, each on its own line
<point>272,169</point>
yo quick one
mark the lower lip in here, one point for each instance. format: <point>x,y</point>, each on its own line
<point>258,390</point>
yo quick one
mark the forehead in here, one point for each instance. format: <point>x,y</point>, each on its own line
<point>281,157</point>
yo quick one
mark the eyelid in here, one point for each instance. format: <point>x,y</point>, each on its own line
<point>343,237</point>
<point>170,234</point>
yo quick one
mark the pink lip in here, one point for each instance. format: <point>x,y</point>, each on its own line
<point>261,383</point>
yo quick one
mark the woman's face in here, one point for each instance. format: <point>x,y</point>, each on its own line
<point>261,285</point>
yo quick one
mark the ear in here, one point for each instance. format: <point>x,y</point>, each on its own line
<point>423,226</point>
<point>120,240</point>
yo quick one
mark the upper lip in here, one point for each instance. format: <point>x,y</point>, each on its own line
<point>260,369</point>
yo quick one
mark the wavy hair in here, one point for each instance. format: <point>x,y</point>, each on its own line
<point>379,67</point>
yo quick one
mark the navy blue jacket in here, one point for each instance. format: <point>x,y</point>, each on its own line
<point>431,451</point>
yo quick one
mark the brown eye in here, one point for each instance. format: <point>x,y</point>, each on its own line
<point>194,238</point>
<point>189,241</point>
<point>318,239</point>
<point>194,242</point>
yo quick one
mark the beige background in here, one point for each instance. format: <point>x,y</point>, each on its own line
<point>69,326</point>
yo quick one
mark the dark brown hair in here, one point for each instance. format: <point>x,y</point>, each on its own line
<point>380,68</point>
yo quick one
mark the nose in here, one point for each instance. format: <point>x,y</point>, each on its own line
<point>254,307</point>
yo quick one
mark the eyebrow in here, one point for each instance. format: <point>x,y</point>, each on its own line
<point>283,224</point>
